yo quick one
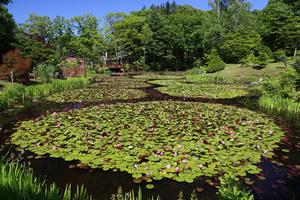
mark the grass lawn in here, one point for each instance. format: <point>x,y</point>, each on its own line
<point>244,74</point>
<point>4,84</point>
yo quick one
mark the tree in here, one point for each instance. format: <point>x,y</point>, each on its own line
<point>5,2</point>
<point>237,45</point>
<point>282,29</point>
<point>214,62</point>
<point>89,43</point>
<point>7,28</point>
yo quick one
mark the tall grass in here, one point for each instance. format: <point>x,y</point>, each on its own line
<point>19,94</point>
<point>232,190</point>
<point>17,182</point>
<point>280,105</point>
<point>120,195</point>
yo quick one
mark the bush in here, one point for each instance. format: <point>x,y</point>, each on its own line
<point>44,72</point>
<point>256,62</point>
<point>280,56</point>
<point>297,65</point>
<point>283,86</point>
<point>215,64</point>
<point>71,62</point>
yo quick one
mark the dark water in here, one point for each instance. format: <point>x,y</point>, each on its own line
<point>282,177</point>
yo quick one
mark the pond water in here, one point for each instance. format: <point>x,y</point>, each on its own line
<point>279,179</point>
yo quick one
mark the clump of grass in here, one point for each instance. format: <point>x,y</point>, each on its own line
<point>19,94</point>
<point>280,104</point>
<point>120,195</point>
<point>17,182</point>
<point>231,190</point>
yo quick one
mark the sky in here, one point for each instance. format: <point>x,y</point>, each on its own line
<point>21,9</point>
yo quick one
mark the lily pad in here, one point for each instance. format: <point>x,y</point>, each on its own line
<point>155,140</point>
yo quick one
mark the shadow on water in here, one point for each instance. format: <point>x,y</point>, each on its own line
<point>281,173</point>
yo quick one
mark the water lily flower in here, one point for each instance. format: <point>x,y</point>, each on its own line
<point>175,154</point>
<point>184,161</point>
<point>177,170</point>
<point>179,146</point>
<point>168,166</point>
<point>54,148</point>
<point>135,165</point>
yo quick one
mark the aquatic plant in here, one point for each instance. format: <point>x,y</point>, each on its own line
<point>155,140</point>
<point>232,190</point>
<point>120,195</point>
<point>279,104</point>
<point>20,95</point>
<point>17,182</point>
<point>216,91</point>
<point>155,76</point>
<point>96,94</point>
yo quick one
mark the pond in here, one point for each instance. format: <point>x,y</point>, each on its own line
<point>175,132</point>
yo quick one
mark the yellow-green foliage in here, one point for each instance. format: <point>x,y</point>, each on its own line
<point>18,182</point>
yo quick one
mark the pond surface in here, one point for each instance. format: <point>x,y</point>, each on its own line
<point>279,180</point>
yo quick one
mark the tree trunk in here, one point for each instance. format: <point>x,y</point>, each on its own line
<point>295,53</point>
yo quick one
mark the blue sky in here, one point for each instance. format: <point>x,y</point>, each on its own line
<point>69,8</point>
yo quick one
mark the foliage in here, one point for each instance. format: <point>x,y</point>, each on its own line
<point>96,94</point>
<point>44,72</point>
<point>297,64</point>
<point>7,27</point>
<point>70,63</point>
<point>158,76</point>
<point>15,63</point>
<point>22,95</point>
<point>231,190</point>
<point>120,195</point>
<point>280,56</point>
<point>215,91</point>
<point>214,63</point>
<point>238,45</point>
<point>280,94</point>
<point>283,86</point>
<point>281,105</point>
<point>256,62</point>
<point>18,182</point>
<point>282,30</point>
<point>155,140</point>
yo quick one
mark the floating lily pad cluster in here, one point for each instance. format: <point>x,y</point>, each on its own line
<point>155,140</point>
<point>124,82</point>
<point>103,92</point>
<point>156,76</point>
<point>216,91</point>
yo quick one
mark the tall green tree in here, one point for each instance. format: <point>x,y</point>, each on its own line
<point>282,30</point>
<point>7,28</point>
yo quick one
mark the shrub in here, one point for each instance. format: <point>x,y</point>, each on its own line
<point>297,65</point>
<point>249,61</point>
<point>280,56</point>
<point>70,62</point>
<point>262,60</point>
<point>256,62</point>
<point>283,86</point>
<point>44,72</point>
<point>215,64</point>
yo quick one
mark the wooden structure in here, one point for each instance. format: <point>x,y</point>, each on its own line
<point>74,71</point>
<point>116,65</point>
